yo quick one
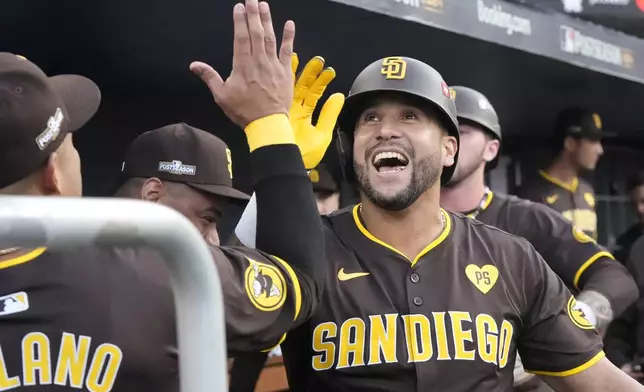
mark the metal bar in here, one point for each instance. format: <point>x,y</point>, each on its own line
<point>59,223</point>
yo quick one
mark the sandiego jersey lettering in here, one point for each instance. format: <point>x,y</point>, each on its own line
<point>76,364</point>
<point>443,336</point>
<point>452,318</point>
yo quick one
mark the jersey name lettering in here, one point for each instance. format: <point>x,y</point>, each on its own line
<point>73,365</point>
<point>359,342</point>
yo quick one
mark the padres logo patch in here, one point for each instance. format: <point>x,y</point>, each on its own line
<point>484,277</point>
<point>590,199</point>
<point>265,286</point>
<point>577,313</point>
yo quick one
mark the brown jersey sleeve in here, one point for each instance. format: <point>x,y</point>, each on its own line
<point>556,339</point>
<point>568,251</point>
<point>264,297</point>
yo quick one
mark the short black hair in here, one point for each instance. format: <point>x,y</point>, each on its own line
<point>635,180</point>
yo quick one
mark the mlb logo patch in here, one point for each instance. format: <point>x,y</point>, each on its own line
<point>446,91</point>
<point>14,303</point>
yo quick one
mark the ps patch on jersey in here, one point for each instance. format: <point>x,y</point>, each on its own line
<point>484,277</point>
<point>265,286</point>
<point>578,313</point>
<point>14,303</point>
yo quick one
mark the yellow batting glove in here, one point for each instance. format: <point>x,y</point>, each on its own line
<point>313,140</point>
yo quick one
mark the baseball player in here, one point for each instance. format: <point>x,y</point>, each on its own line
<point>606,287</point>
<point>578,134</point>
<point>161,166</point>
<point>102,319</point>
<point>418,298</point>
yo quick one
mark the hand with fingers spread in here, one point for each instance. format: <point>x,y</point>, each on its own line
<point>313,140</point>
<point>260,85</point>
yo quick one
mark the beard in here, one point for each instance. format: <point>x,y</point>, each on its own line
<point>461,173</point>
<point>425,173</point>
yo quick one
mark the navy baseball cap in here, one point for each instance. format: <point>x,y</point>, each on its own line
<point>36,113</point>
<point>184,154</point>
<point>580,123</point>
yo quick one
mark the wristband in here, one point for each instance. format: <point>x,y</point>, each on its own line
<point>269,130</point>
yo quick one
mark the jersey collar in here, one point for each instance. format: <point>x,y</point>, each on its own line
<point>571,187</point>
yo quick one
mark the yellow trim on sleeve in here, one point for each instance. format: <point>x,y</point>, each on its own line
<point>296,286</point>
<point>278,343</point>
<point>574,371</point>
<point>588,263</point>
<point>22,258</point>
<point>268,131</point>
<point>432,245</point>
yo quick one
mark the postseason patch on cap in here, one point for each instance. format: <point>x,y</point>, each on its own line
<point>52,131</point>
<point>178,168</point>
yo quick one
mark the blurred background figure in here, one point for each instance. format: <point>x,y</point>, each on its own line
<point>578,135</point>
<point>326,189</point>
<point>625,241</point>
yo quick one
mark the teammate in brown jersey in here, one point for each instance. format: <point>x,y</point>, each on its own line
<point>102,319</point>
<point>578,135</point>
<point>417,298</point>
<point>584,266</point>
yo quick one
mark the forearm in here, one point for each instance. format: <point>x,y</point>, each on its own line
<point>288,223</point>
<point>612,280</point>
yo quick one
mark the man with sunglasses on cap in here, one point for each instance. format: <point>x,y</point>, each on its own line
<point>103,319</point>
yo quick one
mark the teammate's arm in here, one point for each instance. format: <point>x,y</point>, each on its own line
<point>578,260</point>
<point>557,341</point>
<point>602,377</point>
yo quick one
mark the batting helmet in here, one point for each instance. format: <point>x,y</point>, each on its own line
<point>400,74</point>
<point>474,107</point>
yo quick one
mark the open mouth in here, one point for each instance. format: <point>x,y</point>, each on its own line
<point>389,161</point>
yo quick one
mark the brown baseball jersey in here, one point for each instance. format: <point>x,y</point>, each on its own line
<point>568,251</point>
<point>575,201</point>
<point>449,320</point>
<point>103,319</point>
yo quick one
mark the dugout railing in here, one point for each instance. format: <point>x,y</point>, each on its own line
<point>59,223</point>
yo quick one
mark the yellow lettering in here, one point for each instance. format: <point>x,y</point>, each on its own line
<point>418,325</point>
<point>351,346</point>
<point>461,336</point>
<point>72,360</point>
<point>107,357</point>
<point>322,332</point>
<point>36,357</point>
<point>383,340</point>
<point>441,335</point>
<point>6,382</point>
<point>506,341</point>
<point>487,337</point>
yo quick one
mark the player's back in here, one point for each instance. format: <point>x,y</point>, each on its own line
<point>87,319</point>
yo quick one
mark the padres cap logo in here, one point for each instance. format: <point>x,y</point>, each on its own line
<point>578,313</point>
<point>580,236</point>
<point>265,286</point>
<point>597,120</point>
<point>394,68</point>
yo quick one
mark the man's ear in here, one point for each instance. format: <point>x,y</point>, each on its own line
<point>450,146</point>
<point>152,190</point>
<point>491,150</point>
<point>570,143</point>
<point>50,180</point>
